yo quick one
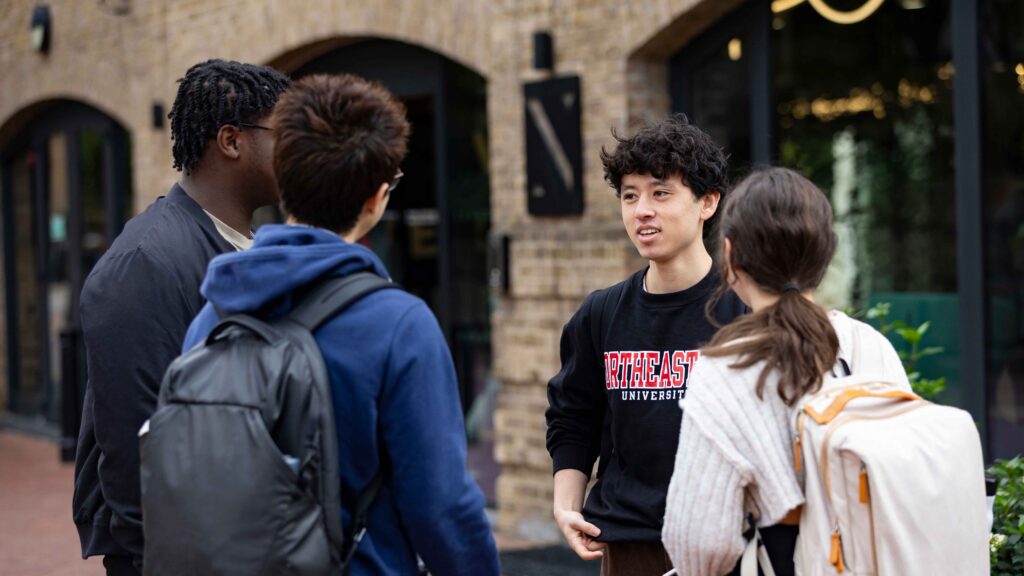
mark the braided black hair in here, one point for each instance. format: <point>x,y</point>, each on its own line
<point>215,93</point>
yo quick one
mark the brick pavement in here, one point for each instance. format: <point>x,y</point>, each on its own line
<point>37,536</point>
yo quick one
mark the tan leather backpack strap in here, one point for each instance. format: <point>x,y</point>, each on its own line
<point>843,399</point>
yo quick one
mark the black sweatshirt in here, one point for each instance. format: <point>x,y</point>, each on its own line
<point>626,355</point>
<point>136,306</point>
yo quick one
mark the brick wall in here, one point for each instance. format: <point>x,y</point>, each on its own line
<point>122,64</point>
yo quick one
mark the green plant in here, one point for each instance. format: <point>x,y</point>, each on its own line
<point>1007,544</point>
<point>929,389</point>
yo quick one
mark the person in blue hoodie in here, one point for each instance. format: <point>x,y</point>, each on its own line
<point>339,141</point>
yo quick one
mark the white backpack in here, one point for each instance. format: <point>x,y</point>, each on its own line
<point>894,485</point>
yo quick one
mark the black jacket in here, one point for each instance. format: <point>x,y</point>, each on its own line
<point>626,356</point>
<point>135,308</point>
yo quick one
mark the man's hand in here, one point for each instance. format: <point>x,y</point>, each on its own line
<point>570,486</point>
<point>580,534</point>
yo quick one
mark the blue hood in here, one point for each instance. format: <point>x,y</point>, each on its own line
<point>283,258</point>
<point>395,398</point>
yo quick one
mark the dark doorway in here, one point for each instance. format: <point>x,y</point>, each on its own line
<point>716,79</point>
<point>65,191</point>
<point>433,237</point>
<point>407,237</point>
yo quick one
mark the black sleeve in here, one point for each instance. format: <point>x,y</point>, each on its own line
<point>730,307</point>
<point>135,312</point>
<point>577,399</point>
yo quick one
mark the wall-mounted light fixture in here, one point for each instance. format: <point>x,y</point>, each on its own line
<point>158,115</point>
<point>543,51</point>
<point>41,28</point>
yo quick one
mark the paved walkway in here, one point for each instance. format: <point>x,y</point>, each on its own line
<point>37,537</point>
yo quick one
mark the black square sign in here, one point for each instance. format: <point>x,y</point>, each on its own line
<point>554,167</point>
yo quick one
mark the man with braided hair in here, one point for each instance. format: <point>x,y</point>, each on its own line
<point>137,303</point>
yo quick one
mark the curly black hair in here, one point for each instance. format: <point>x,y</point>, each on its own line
<point>662,149</point>
<point>215,93</point>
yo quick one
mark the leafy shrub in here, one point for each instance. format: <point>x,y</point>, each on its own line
<point>913,352</point>
<point>1007,545</point>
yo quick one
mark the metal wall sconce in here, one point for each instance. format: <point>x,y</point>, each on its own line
<point>41,28</point>
<point>158,115</point>
<point>543,51</point>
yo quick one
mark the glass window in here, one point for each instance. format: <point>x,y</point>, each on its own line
<point>58,284</point>
<point>26,367</point>
<point>865,111</point>
<point>720,100</point>
<point>711,84</point>
<point>1002,76</point>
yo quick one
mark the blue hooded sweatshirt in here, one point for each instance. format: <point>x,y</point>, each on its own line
<point>394,394</point>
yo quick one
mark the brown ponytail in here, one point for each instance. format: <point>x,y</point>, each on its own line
<point>780,228</point>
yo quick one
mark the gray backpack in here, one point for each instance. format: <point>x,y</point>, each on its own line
<point>240,460</point>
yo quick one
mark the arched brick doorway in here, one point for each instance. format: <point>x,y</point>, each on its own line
<point>65,190</point>
<point>433,237</point>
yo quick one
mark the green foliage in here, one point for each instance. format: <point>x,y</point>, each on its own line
<point>1007,544</point>
<point>929,389</point>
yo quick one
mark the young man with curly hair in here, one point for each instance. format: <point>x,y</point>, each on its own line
<point>629,349</point>
<point>339,143</point>
<point>139,299</point>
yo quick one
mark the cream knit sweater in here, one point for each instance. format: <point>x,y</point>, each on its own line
<point>736,452</point>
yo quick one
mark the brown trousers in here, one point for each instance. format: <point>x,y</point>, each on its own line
<point>635,559</point>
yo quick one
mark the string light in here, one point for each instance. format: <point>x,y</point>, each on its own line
<point>829,13</point>
<point>945,72</point>
<point>860,100</point>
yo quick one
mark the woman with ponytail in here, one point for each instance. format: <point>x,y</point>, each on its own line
<point>735,455</point>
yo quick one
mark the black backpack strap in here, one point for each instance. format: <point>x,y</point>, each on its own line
<point>845,366</point>
<point>332,296</point>
<point>326,300</point>
<point>255,325</point>
<point>359,517</point>
<point>600,310</point>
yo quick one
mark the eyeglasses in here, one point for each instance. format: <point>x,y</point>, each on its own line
<point>394,181</point>
<point>257,126</point>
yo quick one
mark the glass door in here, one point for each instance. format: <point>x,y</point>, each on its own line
<point>64,199</point>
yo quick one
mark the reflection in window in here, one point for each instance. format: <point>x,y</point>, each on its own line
<point>27,361</point>
<point>865,111</point>
<point>720,101</point>
<point>94,208</point>
<point>1002,75</point>
<point>57,280</point>
<point>711,84</point>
